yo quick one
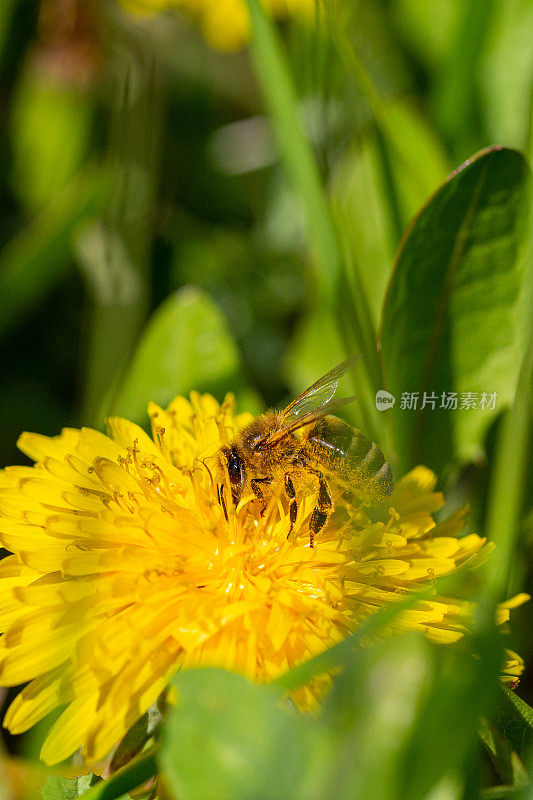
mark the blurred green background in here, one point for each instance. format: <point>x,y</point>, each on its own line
<point>154,239</point>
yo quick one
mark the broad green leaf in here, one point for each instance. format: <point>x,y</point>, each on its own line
<point>230,739</point>
<point>186,346</point>
<point>452,317</point>
<point>372,709</point>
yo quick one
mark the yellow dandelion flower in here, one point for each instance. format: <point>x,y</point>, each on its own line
<point>125,569</point>
<point>225,24</point>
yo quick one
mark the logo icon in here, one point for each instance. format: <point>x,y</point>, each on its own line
<point>384,400</point>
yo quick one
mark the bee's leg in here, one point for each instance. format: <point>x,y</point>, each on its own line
<point>293,505</point>
<point>323,508</point>
<point>222,500</point>
<point>316,523</point>
<point>255,484</point>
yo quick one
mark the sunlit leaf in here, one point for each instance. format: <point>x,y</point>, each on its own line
<point>372,708</point>
<point>59,788</point>
<point>186,346</point>
<point>251,744</point>
<point>452,318</point>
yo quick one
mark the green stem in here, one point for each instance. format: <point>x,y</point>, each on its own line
<point>274,77</point>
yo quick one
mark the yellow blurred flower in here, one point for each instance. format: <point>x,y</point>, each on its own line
<point>125,569</point>
<point>224,23</point>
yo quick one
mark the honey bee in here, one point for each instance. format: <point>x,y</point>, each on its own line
<point>280,447</point>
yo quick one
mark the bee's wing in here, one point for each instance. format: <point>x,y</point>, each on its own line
<point>307,419</point>
<point>317,398</point>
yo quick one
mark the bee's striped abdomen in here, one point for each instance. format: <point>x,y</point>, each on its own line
<point>351,456</point>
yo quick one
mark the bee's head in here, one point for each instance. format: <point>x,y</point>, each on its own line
<point>236,471</point>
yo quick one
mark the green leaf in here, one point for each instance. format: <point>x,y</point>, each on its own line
<point>137,738</point>
<point>137,773</point>
<point>452,318</point>
<point>514,719</point>
<point>186,346</point>
<point>505,760</point>
<point>523,709</point>
<point>371,709</point>
<point>230,739</point>
<point>59,788</point>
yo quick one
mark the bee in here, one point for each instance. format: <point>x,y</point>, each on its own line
<point>280,447</point>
